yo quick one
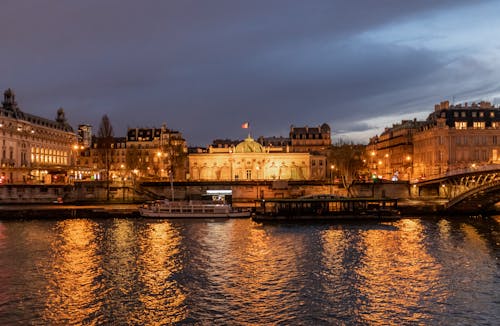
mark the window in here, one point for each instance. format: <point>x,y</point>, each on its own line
<point>460,124</point>
<point>495,125</point>
<point>474,114</point>
<point>249,174</point>
<point>463,114</point>
<point>481,114</point>
<point>478,125</point>
<point>492,114</point>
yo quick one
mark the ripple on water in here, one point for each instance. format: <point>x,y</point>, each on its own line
<point>134,271</point>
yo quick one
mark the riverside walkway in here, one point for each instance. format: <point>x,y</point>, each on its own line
<point>55,211</point>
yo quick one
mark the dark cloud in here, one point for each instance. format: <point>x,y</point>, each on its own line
<point>204,67</point>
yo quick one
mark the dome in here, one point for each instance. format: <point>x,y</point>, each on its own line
<point>249,146</point>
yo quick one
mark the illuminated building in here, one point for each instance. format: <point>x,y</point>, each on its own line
<point>392,152</point>
<point>452,138</point>
<point>33,149</point>
<point>156,152</point>
<point>310,139</point>
<point>249,160</point>
<point>85,135</point>
<point>457,137</point>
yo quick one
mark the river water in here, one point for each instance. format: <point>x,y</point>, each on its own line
<point>237,272</point>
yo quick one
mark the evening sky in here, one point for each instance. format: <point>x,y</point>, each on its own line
<point>205,67</point>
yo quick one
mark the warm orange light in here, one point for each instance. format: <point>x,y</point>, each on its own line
<point>408,158</point>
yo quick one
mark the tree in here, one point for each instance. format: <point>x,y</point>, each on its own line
<point>105,141</point>
<point>347,161</point>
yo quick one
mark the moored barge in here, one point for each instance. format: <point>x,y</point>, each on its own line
<point>326,209</point>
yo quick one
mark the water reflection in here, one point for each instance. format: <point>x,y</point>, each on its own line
<point>158,272</point>
<point>72,289</point>
<point>399,276</point>
<point>161,296</point>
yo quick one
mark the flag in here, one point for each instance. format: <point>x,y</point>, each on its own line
<point>245,125</point>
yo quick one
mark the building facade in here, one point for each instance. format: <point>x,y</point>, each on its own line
<point>249,161</point>
<point>452,138</point>
<point>310,139</point>
<point>457,137</point>
<point>390,155</point>
<point>156,153</point>
<point>34,149</point>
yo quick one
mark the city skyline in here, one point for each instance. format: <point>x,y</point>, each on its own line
<point>206,67</point>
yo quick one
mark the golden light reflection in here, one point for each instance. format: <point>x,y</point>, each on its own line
<point>398,274</point>
<point>70,297</point>
<point>162,297</point>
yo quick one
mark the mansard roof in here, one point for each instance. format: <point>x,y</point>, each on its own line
<point>10,109</point>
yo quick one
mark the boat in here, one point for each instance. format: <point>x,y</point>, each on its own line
<point>191,209</point>
<point>326,209</point>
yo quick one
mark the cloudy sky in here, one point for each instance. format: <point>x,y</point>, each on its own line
<point>205,67</point>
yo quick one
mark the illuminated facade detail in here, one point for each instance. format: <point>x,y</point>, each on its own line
<point>33,149</point>
<point>250,160</point>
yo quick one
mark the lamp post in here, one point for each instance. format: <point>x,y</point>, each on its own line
<point>257,168</point>
<point>372,163</point>
<point>331,177</point>
<point>408,161</point>
<point>387,167</point>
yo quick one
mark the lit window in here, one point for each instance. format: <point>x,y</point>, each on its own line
<point>479,125</point>
<point>481,114</point>
<point>492,114</point>
<point>460,124</point>
<point>495,125</point>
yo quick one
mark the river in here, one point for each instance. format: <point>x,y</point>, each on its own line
<point>237,272</point>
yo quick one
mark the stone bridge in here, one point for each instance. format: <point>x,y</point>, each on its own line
<point>471,190</point>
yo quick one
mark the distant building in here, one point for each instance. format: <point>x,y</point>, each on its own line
<point>451,138</point>
<point>457,137</point>
<point>85,135</point>
<point>34,149</point>
<point>274,141</point>
<point>156,152</point>
<point>249,161</point>
<point>224,143</point>
<point>310,139</point>
<point>392,151</point>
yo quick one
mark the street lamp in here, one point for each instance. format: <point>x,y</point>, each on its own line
<point>408,161</point>
<point>331,177</point>
<point>257,177</point>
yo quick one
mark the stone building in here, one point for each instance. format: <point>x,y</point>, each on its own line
<point>457,137</point>
<point>249,160</point>
<point>310,139</point>
<point>92,161</point>
<point>34,149</point>
<point>156,153</point>
<point>85,135</point>
<point>391,154</point>
<point>452,138</point>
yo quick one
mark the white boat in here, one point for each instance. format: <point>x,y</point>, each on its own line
<point>190,209</point>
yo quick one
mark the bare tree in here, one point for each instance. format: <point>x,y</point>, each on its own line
<point>347,161</point>
<point>105,140</point>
